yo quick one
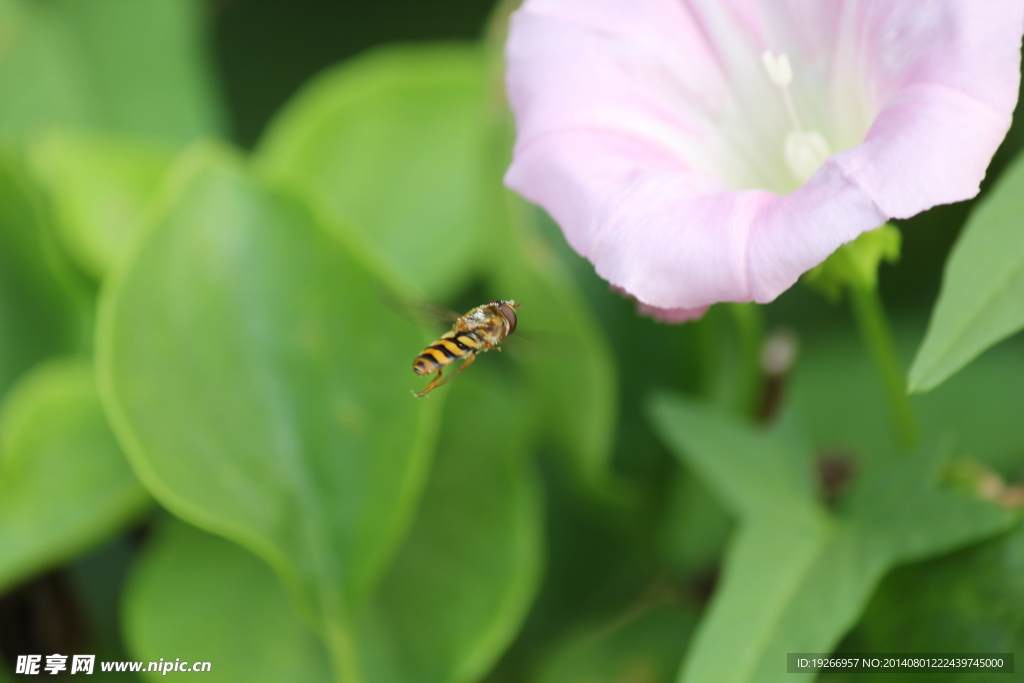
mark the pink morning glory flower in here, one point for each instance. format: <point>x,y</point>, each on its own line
<point>698,151</point>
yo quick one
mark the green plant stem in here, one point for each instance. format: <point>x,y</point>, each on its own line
<point>730,338</point>
<point>877,335</point>
<point>749,322</point>
<point>339,648</point>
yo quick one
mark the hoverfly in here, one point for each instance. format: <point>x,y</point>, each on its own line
<point>482,329</point>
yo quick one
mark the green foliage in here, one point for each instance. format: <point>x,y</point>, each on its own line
<point>573,380</point>
<point>837,393</point>
<point>459,588</point>
<point>643,647</point>
<point>398,151</point>
<point>446,608</point>
<point>40,315</point>
<point>797,576</point>
<point>730,338</point>
<point>205,599</point>
<point>982,297</point>
<point>64,483</point>
<point>251,368</point>
<point>853,268</point>
<point>967,602</point>
<point>260,398</point>
<point>391,147</point>
<point>696,526</point>
<point>134,67</point>
<point>99,187</point>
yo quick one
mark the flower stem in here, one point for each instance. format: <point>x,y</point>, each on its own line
<point>749,323</point>
<point>342,656</point>
<point>730,337</point>
<point>877,335</point>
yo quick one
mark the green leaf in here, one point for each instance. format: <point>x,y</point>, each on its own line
<point>797,576</point>
<point>446,609</point>
<point>644,647</point>
<point>200,598</point>
<point>971,601</point>
<point>261,389</point>
<point>982,297</point>
<point>64,483</point>
<point>469,569</point>
<point>121,65</point>
<point>855,264</point>
<point>39,313</point>
<point>391,147</point>
<point>696,526</point>
<point>99,186</point>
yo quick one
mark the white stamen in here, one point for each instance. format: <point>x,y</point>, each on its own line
<point>805,153</point>
<point>778,68</point>
<point>781,74</point>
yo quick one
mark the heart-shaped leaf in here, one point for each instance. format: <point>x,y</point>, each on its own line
<point>445,610</point>
<point>262,390</point>
<point>470,565</point>
<point>392,147</point>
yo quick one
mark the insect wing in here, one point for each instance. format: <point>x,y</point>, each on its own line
<point>423,313</point>
<point>539,345</point>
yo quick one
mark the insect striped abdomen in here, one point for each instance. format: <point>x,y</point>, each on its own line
<point>445,351</point>
<point>468,339</point>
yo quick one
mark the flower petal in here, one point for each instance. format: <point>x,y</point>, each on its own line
<point>665,315</point>
<point>672,315</point>
<point>644,71</point>
<point>673,239</point>
<point>643,128</point>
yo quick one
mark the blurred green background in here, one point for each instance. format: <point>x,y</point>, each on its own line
<point>265,50</point>
<point>208,211</point>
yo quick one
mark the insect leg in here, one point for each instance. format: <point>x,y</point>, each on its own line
<point>465,364</point>
<point>438,381</point>
<point>433,383</point>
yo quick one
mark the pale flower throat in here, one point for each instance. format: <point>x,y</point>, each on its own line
<point>804,150</point>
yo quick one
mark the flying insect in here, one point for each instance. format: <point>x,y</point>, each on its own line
<point>482,329</point>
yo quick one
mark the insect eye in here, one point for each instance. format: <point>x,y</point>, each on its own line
<point>510,316</point>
